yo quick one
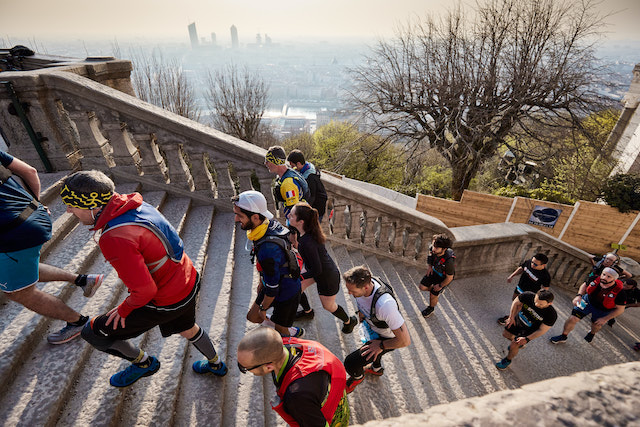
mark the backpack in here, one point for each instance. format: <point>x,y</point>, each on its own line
<point>294,260</point>
<point>384,288</point>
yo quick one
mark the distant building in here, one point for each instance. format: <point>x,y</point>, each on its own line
<point>213,39</point>
<point>625,136</point>
<point>258,39</point>
<point>193,35</point>
<point>267,39</point>
<point>234,37</point>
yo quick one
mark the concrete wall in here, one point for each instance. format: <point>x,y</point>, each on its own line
<point>607,396</point>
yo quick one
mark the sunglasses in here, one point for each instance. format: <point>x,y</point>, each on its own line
<point>245,370</point>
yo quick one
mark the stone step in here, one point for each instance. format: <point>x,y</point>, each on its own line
<point>52,365</point>
<point>20,328</point>
<point>201,398</point>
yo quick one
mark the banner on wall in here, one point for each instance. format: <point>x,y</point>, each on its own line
<point>544,217</point>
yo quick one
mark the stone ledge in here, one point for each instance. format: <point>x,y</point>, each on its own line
<point>607,396</point>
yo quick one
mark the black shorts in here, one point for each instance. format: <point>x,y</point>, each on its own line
<point>519,330</point>
<point>284,312</point>
<point>329,286</point>
<point>429,281</point>
<point>171,319</point>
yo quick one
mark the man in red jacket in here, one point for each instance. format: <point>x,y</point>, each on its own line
<point>603,298</point>
<point>309,379</point>
<point>148,255</point>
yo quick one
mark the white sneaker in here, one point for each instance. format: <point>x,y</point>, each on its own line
<point>93,283</point>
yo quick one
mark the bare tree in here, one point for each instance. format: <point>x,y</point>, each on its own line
<point>464,85</point>
<point>238,101</point>
<point>164,83</point>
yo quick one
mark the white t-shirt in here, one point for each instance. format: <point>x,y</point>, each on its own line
<point>386,310</point>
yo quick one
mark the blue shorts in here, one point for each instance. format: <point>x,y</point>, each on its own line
<point>19,269</point>
<point>595,312</point>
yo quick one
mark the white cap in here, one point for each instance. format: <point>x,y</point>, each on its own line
<point>254,201</point>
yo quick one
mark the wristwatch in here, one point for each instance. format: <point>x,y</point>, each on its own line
<point>263,308</point>
<point>382,345</point>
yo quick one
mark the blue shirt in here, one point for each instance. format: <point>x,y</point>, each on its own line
<point>14,198</point>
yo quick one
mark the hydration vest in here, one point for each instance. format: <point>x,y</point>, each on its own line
<point>384,288</point>
<point>315,357</point>
<point>148,217</point>
<point>438,263</point>
<point>609,300</point>
<point>278,234</point>
<point>300,182</point>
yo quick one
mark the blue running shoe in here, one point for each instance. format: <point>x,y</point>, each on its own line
<point>204,367</point>
<point>133,373</point>
<point>503,364</point>
<point>299,333</point>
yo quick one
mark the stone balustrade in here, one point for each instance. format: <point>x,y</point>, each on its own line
<point>87,125</point>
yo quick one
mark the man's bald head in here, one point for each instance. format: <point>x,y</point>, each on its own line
<point>264,345</point>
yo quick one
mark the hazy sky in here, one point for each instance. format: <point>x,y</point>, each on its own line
<point>280,19</point>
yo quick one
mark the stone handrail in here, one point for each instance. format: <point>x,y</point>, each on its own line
<point>501,247</point>
<point>87,125</point>
<point>91,126</point>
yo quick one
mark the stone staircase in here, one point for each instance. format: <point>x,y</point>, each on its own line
<point>86,118</point>
<point>450,358</point>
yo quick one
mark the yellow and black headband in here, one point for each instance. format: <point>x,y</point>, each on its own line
<point>84,200</point>
<point>270,157</point>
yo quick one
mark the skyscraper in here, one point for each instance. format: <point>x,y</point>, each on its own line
<point>193,35</point>
<point>213,39</point>
<point>234,37</point>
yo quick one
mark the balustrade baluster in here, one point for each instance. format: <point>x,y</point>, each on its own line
<point>152,165</point>
<point>94,147</point>
<point>125,154</point>
<point>225,187</point>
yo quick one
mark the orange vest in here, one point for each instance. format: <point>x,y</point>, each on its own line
<point>315,357</point>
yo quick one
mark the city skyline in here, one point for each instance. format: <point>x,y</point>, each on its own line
<point>281,19</point>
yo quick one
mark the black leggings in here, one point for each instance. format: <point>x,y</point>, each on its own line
<point>355,362</point>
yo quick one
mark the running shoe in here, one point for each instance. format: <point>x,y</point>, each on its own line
<point>503,320</point>
<point>503,364</point>
<point>353,382</point>
<point>374,372</point>
<point>347,328</point>
<point>589,337</point>
<point>66,334</point>
<point>133,373</point>
<point>301,314</point>
<point>92,284</point>
<point>299,333</point>
<point>558,339</point>
<point>427,312</point>
<point>204,367</point>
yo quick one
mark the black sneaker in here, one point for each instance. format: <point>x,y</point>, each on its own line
<point>347,328</point>
<point>611,322</point>
<point>558,339</point>
<point>503,320</point>
<point>589,337</point>
<point>301,314</point>
<point>427,312</point>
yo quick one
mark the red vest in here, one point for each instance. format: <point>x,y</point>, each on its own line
<point>608,300</point>
<point>315,357</point>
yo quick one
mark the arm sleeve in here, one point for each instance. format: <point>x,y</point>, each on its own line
<point>303,399</point>
<point>5,158</point>
<point>271,257</point>
<point>128,262</point>
<point>309,253</point>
